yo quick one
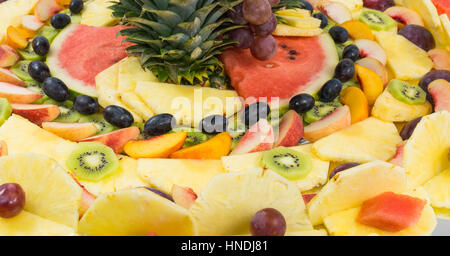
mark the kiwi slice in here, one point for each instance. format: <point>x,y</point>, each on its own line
<point>407,93</point>
<point>194,136</point>
<point>48,32</point>
<point>319,111</point>
<point>92,161</point>
<point>68,114</point>
<point>378,21</point>
<point>287,162</point>
<point>350,83</point>
<point>102,126</point>
<point>5,110</point>
<point>29,54</point>
<point>236,129</point>
<point>36,87</point>
<point>20,69</point>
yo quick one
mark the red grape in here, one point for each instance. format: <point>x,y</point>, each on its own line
<point>236,15</point>
<point>256,12</point>
<point>243,36</point>
<point>267,28</point>
<point>264,48</point>
<point>12,200</point>
<point>268,222</point>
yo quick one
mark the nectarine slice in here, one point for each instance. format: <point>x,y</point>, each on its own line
<point>291,130</point>
<point>358,30</point>
<point>36,113</point>
<point>214,148</point>
<point>371,83</point>
<point>17,94</point>
<point>117,139</point>
<point>339,119</point>
<point>156,147</point>
<point>16,38</point>
<point>356,100</point>
<point>70,131</point>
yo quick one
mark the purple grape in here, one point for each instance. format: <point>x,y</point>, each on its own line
<point>256,12</point>
<point>243,36</point>
<point>268,222</point>
<point>160,193</point>
<point>267,28</point>
<point>380,5</point>
<point>430,77</point>
<point>264,48</point>
<point>419,35</point>
<point>342,167</point>
<point>408,129</point>
<point>12,200</point>
<point>236,15</point>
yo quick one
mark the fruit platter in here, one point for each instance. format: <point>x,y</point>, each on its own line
<point>224,117</point>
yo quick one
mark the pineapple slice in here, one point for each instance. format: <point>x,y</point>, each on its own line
<point>28,224</point>
<point>286,30</point>
<point>426,152</point>
<point>365,141</point>
<point>351,187</point>
<point>107,83</point>
<point>130,72</point>
<point>164,173</point>
<point>96,13</point>
<point>125,177</point>
<point>316,177</point>
<point>136,212</point>
<point>443,213</point>
<point>390,109</point>
<point>228,203</point>
<point>295,12</point>
<point>344,223</point>
<point>438,189</point>
<point>50,192</point>
<point>446,25</point>
<point>188,104</point>
<point>405,59</point>
<point>11,13</point>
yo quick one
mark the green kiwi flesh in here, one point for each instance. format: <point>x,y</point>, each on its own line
<point>378,21</point>
<point>194,136</point>
<point>407,93</point>
<point>20,69</point>
<point>5,110</point>
<point>29,54</point>
<point>102,125</point>
<point>287,162</point>
<point>92,161</point>
<point>319,111</point>
<point>48,32</point>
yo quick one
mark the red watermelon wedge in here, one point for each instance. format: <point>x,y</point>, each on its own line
<point>391,212</point>
<point>443,6</point>
<point>302,64</point>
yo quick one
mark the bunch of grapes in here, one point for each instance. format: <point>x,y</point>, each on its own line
<point>261,22</point>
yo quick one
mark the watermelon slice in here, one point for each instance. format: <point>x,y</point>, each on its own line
<point>442,6</point>
<point>80,52</point>
<point>302,64</point>
<point>391,212</point>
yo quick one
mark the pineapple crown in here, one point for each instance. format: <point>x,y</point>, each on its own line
<point>179,40</point>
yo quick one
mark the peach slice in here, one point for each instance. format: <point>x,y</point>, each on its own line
<point>31,23</point>
<point>358,30</point>
<point>404,15</point>
<point>17,94</point>
<point>70,131</point>
<point>371,83</point>
<point>376,66</point>
<point>116,139</point>
<point>336,11</point>
<point>185,197</point>
<point>356,100</point>
<point>440,91</point>
<point>440,58</point>
<point>36,114</point>
<point>63,2</point>
<point>16,38</point>
<point>214,148</point>
<point>291,130</point>
<point>398,158</point>
<point>156,147</point>
<point>7,76</point>
<point>45,9</point>
<point>258,138</point>
<point>335,121</point>
<point>8,56</point>
<point>368,48</point>
<point>87,199</point>
<point>3,148</point>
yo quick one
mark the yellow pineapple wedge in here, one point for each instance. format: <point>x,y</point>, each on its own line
<point>426,152</point>
<point>388,108</point>
<point>353,186</point>
<point>316,177</point>
<point>130,72</point>
<point>446,26</point>
<point>443,213</point>
<point>295,12</point>
<point>438,190</point>
<point>188,104</point>
<point>228,203</point>
<point>96,13</point>
<point>164,173</point>
<point>287,30</point>
<point>135,212</point>
<point>354,6</point>
<point>361,142</point>
<point>28,224</point>
<point>125,177</point>
<point>344,223</point>
<point>50,192</point>
<point>303,23</point>
<point>11,13</point>
<point>406,60</point>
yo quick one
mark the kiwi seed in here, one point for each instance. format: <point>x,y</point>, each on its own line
<point>407,93</point>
